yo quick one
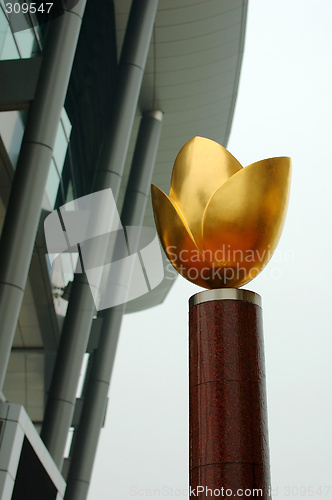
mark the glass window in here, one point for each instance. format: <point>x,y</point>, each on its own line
<point>8,48</point>
<point>26,43</point>
<point>3,29</point>
<point>53,197</point>
<point>66,123</point>
<point>52,184</point>
<point>70,193</point>
<point>23,43</point>
<point>11,131</point>
<point>60,148</point>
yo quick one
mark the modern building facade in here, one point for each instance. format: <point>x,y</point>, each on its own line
<point>103,95</point>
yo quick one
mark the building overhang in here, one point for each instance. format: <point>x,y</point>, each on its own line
<point>192,75</point>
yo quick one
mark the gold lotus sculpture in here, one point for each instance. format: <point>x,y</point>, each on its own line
<point>221,222</point>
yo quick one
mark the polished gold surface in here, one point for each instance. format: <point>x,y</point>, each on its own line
<point>195,177</point>
<point>221,223</point>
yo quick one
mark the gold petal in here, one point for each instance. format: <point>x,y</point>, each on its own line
<point>243,220</point>
<point>176,238</point>
<point>201,166</point>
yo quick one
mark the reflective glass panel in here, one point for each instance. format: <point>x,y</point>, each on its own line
<point>8,49</point>
<point>70,192</point>
<point>66,123</point>
<point>60,148</point>
<point>11,131</point>
<point>27,43</point>
<point>52,184</point>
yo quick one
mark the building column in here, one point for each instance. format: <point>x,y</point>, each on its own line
<point>95,398</point>
<point>23,211</point>
<point>75,333</point>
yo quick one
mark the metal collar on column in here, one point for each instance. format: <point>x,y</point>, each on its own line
<point>225,294</point>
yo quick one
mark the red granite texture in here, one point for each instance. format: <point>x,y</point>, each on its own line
<point>227,402</point>
<point>234,478</point>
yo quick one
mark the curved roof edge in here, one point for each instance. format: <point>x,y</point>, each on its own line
<point>192,74</point>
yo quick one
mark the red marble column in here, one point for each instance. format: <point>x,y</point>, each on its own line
<point>229,451</point>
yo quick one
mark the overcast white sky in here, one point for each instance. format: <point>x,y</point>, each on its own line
<point>284,108</point>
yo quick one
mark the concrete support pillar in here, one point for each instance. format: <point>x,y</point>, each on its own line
<point>87,434</point>
<point>23,210</point>
<point>74,340</point>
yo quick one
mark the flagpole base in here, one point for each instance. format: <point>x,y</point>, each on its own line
<point>228,433</point>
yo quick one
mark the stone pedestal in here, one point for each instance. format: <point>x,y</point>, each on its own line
<point>229,449</point>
